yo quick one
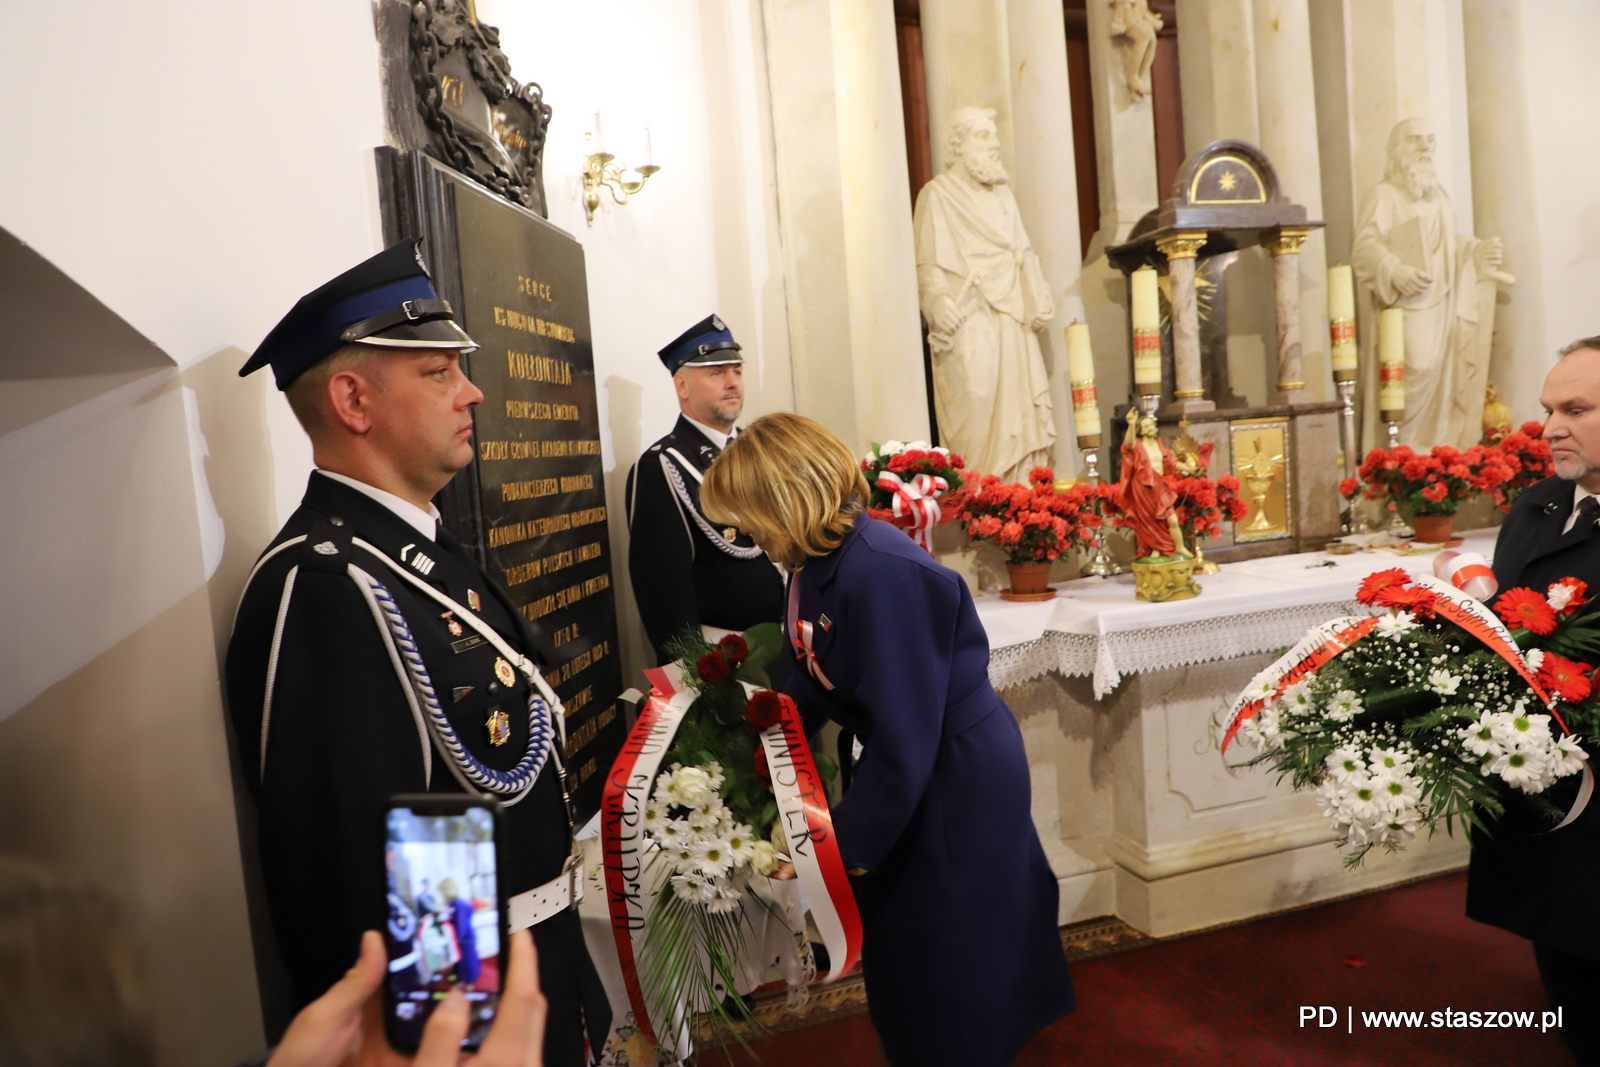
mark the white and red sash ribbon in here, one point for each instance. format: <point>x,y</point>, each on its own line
<point>1315,650</point>
<point>813,847</point>
<point>803,635</point>
<point>917,499</point>
<point>802,809</point>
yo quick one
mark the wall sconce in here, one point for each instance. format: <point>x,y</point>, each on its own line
<point>600,172</point>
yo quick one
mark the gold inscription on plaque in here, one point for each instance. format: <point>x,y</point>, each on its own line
<point>538,609</point>
<point>538,368</point>
<point>577,483</point>
<point>1261,463</point>
<point>528,490</point>
<point>589,730</point>
<point>516,320</point>
<point>527,572</point>
<point>537,449</point>
<point>510,533</point>
<point>538,409</point>
<point>533,287</point>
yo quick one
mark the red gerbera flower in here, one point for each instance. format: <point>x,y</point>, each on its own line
<point>1523,609</point>
<point>1566,679</point>
<point>1420,602</point>
<point>1373,584</point>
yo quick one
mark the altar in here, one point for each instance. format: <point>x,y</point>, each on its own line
<point>1122,706</point>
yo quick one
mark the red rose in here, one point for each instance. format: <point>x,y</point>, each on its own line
<point>712,668</point>
<point>1374,584</point>
<point>763,772</point>
<point>733,649</point>
<point>765,708</point>
<point>1523,609</point>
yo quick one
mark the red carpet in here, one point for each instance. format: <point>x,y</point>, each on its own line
<point>1233,996</point>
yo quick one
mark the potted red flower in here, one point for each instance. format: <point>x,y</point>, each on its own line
<point>1427,488</point>
<point>1032,522</point>
<point>1526,456</point>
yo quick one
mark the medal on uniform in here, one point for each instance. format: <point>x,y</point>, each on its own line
<point>455,628</point>
<point>472,600</point>
<point>824,622</point>
<point>499,726</point>
<point>730,532</point>
<point>503,671</point>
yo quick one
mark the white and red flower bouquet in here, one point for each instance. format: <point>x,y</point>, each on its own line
<point>915,486</point>
<point>715,788</point>
<point>1431,710</point>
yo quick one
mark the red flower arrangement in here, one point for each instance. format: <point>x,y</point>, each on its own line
<point>1441,480</point>
<point>765,708</point>
<point>1203,503</point>
<point>713,668</point>
<point>906,462</point>
<point>1032,522</point>
<point>1569,680</point>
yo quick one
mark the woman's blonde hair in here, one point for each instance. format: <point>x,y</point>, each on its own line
<point>790,483</point>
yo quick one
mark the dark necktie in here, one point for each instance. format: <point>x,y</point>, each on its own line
<point>1588,508</point>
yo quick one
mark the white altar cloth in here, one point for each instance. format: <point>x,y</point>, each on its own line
<point>1096,627</point>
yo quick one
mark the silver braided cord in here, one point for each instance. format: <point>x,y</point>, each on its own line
<point>540,731</point>
<point>675,479</point>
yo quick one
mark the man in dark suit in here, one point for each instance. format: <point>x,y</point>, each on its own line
<point>372,656</point>
<point>1524,878</point>
<point>689,573</point>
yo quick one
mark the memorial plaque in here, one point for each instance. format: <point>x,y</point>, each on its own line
<point>533,502</point>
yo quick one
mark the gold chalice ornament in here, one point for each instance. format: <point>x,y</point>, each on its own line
<point>1260,472</point>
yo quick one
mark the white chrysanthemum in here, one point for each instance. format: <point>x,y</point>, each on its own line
<point>1568,757</point>
<point>1263,685</point>
<point>1395,624</point>
<point>655,817</point>
<point>1524,770</point>
<point>891,448</point>
<point>692,787</point>
<point>1534,658</point>
<point>712,855</point>
<point>1297,698</point>
<point>1399,794</point>
<point>683,859</point>
<point>1361,798</point>
<point>1345,763</point>
<point>724,898</point>
<point>1479,738</point>
<point>693,888</point>
<point>918,446</point>
<point>1344,706</point>
<point>941,450</point>
<point>1529,729</point>
<point>1390,762</point>
<point>673,833</point>
<point>1559,595</point>
<point>1443,682</point>
<point>1399,827</point>
<point>741,844</point>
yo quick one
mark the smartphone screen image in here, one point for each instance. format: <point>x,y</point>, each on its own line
<point>444,929</point>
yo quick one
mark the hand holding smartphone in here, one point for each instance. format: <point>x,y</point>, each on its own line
<point>446,926</point>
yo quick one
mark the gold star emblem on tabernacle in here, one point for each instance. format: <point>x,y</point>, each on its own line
<point>1228,180</point>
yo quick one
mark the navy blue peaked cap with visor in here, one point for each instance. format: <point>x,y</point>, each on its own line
<point>707,343</point>
<point>387,300</point>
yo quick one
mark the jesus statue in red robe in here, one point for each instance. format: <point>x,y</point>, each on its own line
<point>1144,495</point>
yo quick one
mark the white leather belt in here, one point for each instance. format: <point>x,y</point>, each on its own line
<point>545,901</point>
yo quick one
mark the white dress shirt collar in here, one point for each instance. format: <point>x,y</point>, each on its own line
<point>716,437</point>
<point>426,522</point>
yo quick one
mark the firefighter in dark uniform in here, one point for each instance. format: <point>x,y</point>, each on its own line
<point>371,655</point>
<point>689,573</point>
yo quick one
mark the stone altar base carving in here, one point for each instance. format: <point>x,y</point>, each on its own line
<point>1160,580</point>
<point>1140,818</point>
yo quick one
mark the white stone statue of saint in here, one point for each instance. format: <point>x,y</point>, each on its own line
<point>984,297</point>
<point>1135,27</point>
<point>1408,254</point>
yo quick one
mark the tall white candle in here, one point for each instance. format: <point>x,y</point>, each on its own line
<point>1392,361</point>
<point>1342,322</point>
<point>1146,330</point>
<point>1080,372</point>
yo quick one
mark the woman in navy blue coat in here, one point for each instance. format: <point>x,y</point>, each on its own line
<point>961,953</point>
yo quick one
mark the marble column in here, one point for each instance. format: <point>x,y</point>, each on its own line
<point>1216,48</point>
<point>1503,200</point>
<point>849,263</point>
<point>1287,116</point>
<point>1180,250</point>
<point>1284,244</point>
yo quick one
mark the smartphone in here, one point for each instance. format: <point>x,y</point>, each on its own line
<point>446,926</point>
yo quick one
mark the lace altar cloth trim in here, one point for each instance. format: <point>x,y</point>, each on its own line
<point>1110,657</point>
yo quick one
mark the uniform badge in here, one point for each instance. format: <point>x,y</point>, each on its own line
<point>824,622</point>
<point>499,726</point>
<point>472,600</point>
<point>503,671</point>
<point>730,532</point>
<point>451,624</point>
<point>459,693</point>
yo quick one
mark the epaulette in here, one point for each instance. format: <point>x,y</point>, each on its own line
<point>327,545</point>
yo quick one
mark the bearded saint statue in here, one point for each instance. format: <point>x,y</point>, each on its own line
<point>984,296</point>
<point>1145,495</point>
<point>1408,254</point>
